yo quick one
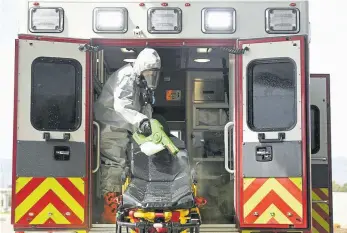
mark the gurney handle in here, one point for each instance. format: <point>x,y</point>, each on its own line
<point>226,144</point>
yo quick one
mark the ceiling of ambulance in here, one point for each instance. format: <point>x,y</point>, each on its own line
<point>172,58</point>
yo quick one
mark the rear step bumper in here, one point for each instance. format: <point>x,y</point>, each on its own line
<point>206,228</point>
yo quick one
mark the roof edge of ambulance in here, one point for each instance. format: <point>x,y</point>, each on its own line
<point>146,1</point>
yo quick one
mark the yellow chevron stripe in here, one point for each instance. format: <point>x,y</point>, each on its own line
<point>297,182</point>
<point>320,220</point>
<point>279,216</point>
<point>21,182</point>
<point>325,191</point>
<point>315,197</point>
<point>247,182</point>
<point>49,212</point>
<point>40,191</point>
<point>79,184</point>
<point>268,186</point>
<point>323,206</point>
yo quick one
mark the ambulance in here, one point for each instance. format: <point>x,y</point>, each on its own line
<point>235,86</point>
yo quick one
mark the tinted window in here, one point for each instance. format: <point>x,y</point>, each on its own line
<point>271,94</point>
<point>56,94</point>
<point>315,129</point>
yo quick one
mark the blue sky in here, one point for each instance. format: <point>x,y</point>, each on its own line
<point>328,52</point>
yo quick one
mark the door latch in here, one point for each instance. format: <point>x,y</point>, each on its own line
<point>62,153</point>
<point>263,153</point>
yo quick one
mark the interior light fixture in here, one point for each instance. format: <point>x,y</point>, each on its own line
<point>129,60</point>
<point>202,60</point>
<point>204,50</point>
<point>126,50</point>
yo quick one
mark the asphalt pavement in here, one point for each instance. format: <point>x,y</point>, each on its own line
<point>5,223</point>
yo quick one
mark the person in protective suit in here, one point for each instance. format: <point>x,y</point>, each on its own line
<point>123,108</point>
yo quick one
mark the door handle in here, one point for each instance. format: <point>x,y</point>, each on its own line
<point>97,147</point>
<point>322,159</point>
<point>47,137</point>
<point>320,201</point>
<point>226,147</point>
<point>262,139</point>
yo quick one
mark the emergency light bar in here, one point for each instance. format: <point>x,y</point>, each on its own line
<point>164,20</point>
<point>218,20</point>
<point>282,20</point>
<point>110,20</point>
<point>46,19</point>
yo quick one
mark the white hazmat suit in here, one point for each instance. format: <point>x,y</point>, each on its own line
<point>120,111</point>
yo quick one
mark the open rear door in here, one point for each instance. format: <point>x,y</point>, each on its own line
<point>322,215</point>
<point>271,134</point>
<point>51,134</point>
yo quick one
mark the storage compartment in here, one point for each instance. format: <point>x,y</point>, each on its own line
<point>174,99</point>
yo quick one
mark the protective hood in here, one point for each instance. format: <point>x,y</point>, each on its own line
<point>148,59</point>
<point>147,66</point>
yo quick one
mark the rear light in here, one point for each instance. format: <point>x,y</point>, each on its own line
<point>110,20</point>
<point>164,20</point>
<point>46,19</point>
<point>282,20</point>
<point>218,20</point>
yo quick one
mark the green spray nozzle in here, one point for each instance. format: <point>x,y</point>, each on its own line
<point>158,136</point>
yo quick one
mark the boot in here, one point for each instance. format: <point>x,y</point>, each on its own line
<point>110,208</point>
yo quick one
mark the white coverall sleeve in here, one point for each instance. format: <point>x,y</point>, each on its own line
<point>118,105</point>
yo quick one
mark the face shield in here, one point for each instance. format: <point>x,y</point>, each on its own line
<point>152,78</point>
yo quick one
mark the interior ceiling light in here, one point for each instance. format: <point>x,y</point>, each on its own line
<point>130,57</point>
<point>203,50</point>
<point>129,60</point>
<point>202,56</point>
<point>202,60</point>
<point>126,50</point>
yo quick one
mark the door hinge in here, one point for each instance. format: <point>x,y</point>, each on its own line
<point>234,50</point>
<point>89,48</point>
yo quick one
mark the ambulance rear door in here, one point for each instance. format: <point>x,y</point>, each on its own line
<point>51,134</point>
<point>322,215</point>
<point>271,127</point>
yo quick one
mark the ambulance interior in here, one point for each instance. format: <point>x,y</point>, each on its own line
<point>193,97</point>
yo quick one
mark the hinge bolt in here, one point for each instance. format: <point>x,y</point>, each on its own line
<point>255,214</point>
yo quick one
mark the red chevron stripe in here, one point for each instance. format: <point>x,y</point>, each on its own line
<point>272,221</point>
<point>252,188</point>
<point>320,211</point>
<point>291,188</point>
<point>320,194</point>
<point>273,198</point>
<point>27,189</point>
<point>71,188</point>
<point>318,227</point>
<point>50,197</point>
